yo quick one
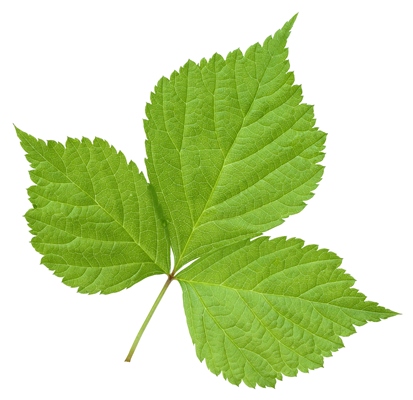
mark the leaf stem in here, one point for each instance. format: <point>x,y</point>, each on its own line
<point>148,318</point>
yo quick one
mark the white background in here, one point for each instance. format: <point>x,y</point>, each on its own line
<point>84,68</point>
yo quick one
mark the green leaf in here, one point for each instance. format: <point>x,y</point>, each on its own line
<point>232,151</point>
<point>93,215</point>
<point>262,309</point>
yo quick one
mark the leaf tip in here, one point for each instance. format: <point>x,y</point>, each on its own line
<point>27,141</point>
<point>393,313</point>
<point>286,29</point>
<point>19,132</point>
<point>289,24</point>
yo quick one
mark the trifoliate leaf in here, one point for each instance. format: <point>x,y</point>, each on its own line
<point>232,151</point>
<point>262,309</point>
<point>93,216</point>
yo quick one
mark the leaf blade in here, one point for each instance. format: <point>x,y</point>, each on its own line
<point>242,149</point>
<point>262,309</point>
<point>94,219</point>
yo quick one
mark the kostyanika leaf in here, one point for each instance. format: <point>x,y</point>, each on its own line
<point>93,216</point>
<point>262,309</point>
<point>232,151</point>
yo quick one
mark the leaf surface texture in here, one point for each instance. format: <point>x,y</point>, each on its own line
<point>93,217</point>
<point>262,309</point>
<point>231,149</point>
<point>232,152</point>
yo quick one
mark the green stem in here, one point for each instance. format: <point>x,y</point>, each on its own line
<point>148,318</point>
